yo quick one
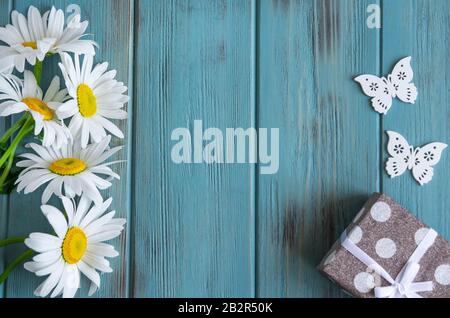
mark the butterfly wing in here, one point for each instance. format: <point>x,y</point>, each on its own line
<point>382,103</point>
<point>376,87</point>
<point>425,158</point>
<point>407,93</point>
<point>401,78</point>
<point>431,153</point>
<point>423,174</point>
<point>402,72</point>
<point>400,152</point>
<point>396,166</point>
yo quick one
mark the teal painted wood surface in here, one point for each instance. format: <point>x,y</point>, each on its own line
<point>194,224</point>
<point>309,51</point>
<point>225,230</point>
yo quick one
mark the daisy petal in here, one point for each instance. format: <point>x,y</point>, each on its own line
<point>89,272</point>
<point>56,219</point>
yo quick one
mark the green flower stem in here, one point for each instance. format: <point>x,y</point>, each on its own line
<point>25,130</point>
<point>19,260</point>
<point>38,71</point>
<point>13,129</point>
<point>6,171</point>
<point>12,240</point>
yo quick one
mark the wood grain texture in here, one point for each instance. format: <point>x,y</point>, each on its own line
<point>192,223</point>
<point>309,52</point>
<point>5,8</point>
<point>111,24</point>
<point>421,29</point>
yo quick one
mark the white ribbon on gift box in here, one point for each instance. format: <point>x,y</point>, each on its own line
<point>403,285</point>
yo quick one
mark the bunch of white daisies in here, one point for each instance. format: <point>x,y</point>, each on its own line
<point>69,160</point>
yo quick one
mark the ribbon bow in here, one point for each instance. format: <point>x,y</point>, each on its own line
<point>403,285</point>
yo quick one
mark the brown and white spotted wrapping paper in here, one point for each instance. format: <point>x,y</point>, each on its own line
<point>389,234</point>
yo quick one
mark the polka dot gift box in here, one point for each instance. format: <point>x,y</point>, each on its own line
<point>387,253</point>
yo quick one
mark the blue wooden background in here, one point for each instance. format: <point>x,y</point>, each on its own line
<point>225,230</point>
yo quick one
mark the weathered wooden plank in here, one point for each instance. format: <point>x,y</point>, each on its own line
<point>5,8</point>
<point>111,23</point>
<point>192,223</point>
<point>309,52</point>
<point>421,29</point>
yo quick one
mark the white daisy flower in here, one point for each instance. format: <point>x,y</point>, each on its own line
<point>96,96</point>
<point>31,38</point>
<point>69,171</point>
<point>21,96</point>
<point>77,247</point>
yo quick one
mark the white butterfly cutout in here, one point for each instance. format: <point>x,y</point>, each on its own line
<point>397,84</point>
<point>419,160</point>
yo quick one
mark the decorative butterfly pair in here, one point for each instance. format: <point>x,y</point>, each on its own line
<point>404,157</point>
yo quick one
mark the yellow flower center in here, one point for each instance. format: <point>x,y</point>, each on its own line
<point>67,166</point>
<point>39,106</point>
<point>87,102</point>
<point>32,45</point>
<point>74,245</point>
